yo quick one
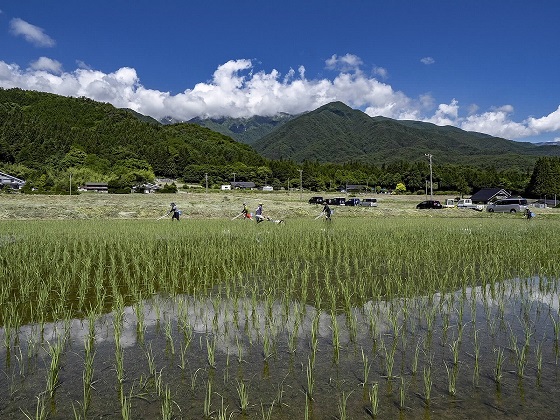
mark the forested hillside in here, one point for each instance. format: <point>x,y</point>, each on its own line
<point>48,139</point>
<point>338,133</point>
<point>47,133</point>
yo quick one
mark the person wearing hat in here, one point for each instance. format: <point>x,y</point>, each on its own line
<point>176,212</point>
<point>259,216</point>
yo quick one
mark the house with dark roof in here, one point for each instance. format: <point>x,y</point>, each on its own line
<point>243,185</point>
<point>10,181</point>
<point>487,195</point>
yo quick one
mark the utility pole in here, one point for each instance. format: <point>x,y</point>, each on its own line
<point>234,177</point>
<point>300,182</point>
<point>70,183</point>
<point>206,177</point>
<point>430,156</point>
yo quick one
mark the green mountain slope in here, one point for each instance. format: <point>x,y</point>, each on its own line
<point>244,130</point>
<point>338,133</point>
<point>39,129</point>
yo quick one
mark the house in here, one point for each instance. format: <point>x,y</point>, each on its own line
<point>486,195</point>
<point>10,181</point>
<point>102,187</point>
<point>353,188</point>
<point>243,185</point>
<point>146,188</point>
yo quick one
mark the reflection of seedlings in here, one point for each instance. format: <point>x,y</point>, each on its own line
<point>427,383</point>
<point>211,352</point>
<point>140,327</point>
<point>476,372</point>
<point>169,336</point>
<point>415,359</point>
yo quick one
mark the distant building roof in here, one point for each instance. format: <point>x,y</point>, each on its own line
<point>243,185</point>
<point>484,195</point>
<point>10,180</point>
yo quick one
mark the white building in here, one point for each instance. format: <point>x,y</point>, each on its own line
<point>10,181</point>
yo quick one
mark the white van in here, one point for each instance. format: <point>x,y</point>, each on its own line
<point>369,202</point>
<point>508,205</point>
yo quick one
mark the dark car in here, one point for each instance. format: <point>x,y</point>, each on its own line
<point>352,202</point>
<point>429,204</point>
<point>339,201</point>
<point>316,200</point>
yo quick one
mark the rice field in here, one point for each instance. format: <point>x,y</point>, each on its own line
<point>431,317</point>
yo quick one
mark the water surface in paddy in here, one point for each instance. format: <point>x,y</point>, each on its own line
<point>487,351</point>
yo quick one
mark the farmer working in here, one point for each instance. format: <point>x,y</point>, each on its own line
<point>259,216</point>
<point>176,212</point>
<point>245,212</point>
<point>327,211</point>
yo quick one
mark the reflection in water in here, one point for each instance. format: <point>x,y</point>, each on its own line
<point>477,351</point>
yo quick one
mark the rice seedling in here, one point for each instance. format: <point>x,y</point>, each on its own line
<point>55,352</point>
<point>243,396</point>
<point>452,378</point>
<point>498,367</point>
<point>374,399</point>
<point>342,404</point>
<point>310,379</point>
<point>427,383</point>
<point>263,295</point>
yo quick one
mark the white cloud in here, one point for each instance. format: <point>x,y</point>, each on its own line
<point>348,62</point>
<point>427,60</point>
<point>31,33</point>
<point>47,64</point>
<point>498,123</point>
<point>238,89</point>
<point>381,72</point>
<point>549,123</point>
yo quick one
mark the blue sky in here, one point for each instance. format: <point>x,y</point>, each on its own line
<point>487,66</point>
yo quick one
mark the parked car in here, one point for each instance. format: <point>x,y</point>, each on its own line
<point>429,204</point>
<point>352,202</point>
<point>466,203</point>
<point>338,201</point>
<point>369,202</point>
<point>508,205</point>
<point>316,200</point>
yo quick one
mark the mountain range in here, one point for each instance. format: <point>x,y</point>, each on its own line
<point>337,133</point>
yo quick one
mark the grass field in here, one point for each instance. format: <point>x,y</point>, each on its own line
<point>385,312</point>
<point>215,205</point>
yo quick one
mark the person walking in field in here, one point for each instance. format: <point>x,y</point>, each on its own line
<point>245,212</point>
<point>176,212</point>
<point>327,211</point>
<point>259,216</point>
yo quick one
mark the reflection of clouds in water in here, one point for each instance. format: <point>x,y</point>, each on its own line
<point>231,321</point>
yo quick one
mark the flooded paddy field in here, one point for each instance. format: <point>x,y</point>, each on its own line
<point>401,318</point>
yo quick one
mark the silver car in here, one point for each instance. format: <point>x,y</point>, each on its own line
<point>369,202</point>
<point>508,205</point>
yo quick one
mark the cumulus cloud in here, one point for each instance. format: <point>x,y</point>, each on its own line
<point>238,89</point>
<point>427,60</point>
<point>31,33</point>
<point>47,64</point>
